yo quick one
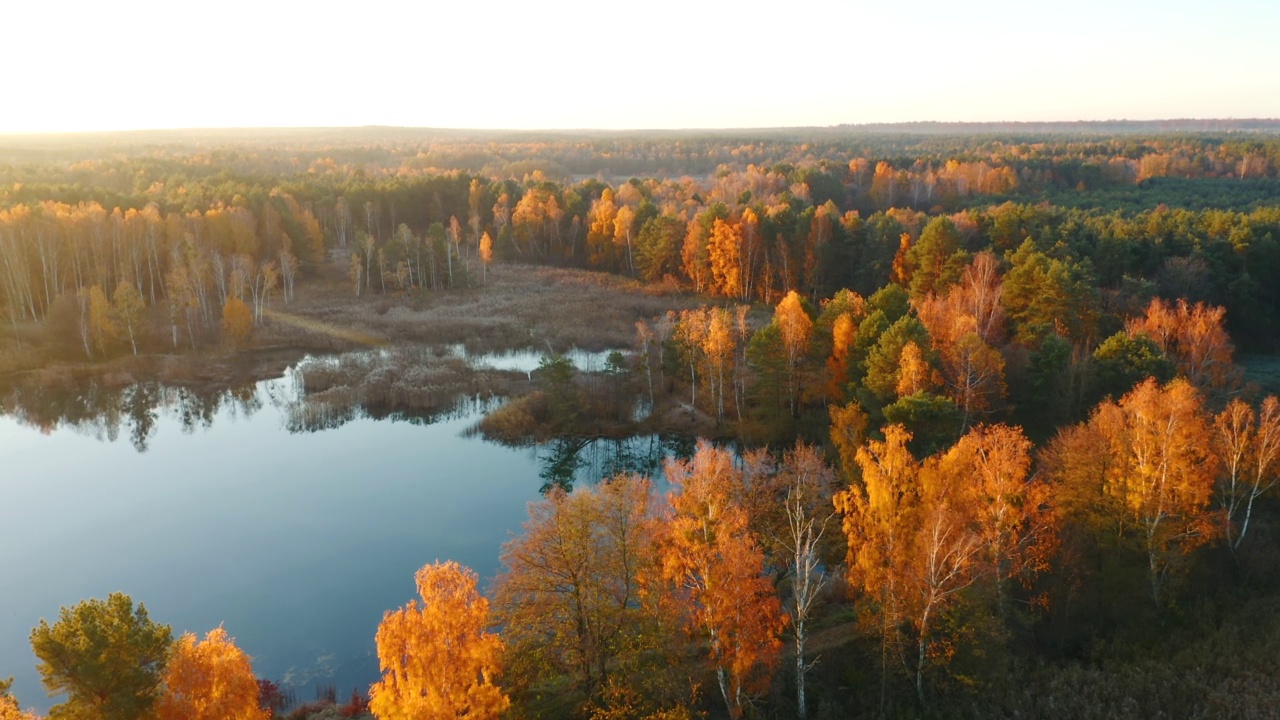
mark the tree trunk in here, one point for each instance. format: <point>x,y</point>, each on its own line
<point>801,711</point>
<point>1244,526</point>
<point>723,679</point>
<point>922,646</point>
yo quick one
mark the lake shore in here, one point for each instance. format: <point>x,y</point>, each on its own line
<point>517,307</point>
<point>409,353</point>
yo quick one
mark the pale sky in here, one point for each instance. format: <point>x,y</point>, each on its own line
<point>140,64</point>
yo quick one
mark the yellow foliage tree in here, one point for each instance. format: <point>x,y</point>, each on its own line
<point>916,374</point>
<point>486,256</point>
<point>797,330</point>
<point>945,548</point>
<point>921,533</point>
<point>877,522</point>
<point>848,432</point>
<point>9,710</point>
<point>569,594</point>
<point>600,231</point>
<point>718,348</point>
<point>209,680</point>
<point>724,251</point>
<point>237,321</point>
<point>581,603</point>
<point>624,222</point>
<point>437,660</point>
<point>128,310</point>
<point>102,325</point>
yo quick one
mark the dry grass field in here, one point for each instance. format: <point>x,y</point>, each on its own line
<point>520,306</point>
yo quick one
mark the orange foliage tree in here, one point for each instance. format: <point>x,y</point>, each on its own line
<point>1247,445</point>
<point>835,331</point>
<point>438,660</point>
<point>945,548</point>
<point>877,523</point>
<point>717,569</point>
<point>966,324</point>
<point>921,533</point>
<point>570,593</point>
<point>808,509</point>
<point>1160,470</point>
<point>1192,336</point>
<point>843,333</point>
<point>1017,527</point>
<point>979,294</point>
<point>209,680</point>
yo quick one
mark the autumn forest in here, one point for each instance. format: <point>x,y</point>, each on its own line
<point>956,420</point>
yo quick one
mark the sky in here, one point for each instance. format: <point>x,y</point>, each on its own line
<point>144,64</point>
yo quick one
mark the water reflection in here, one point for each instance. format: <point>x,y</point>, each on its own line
<point>99,411</point>
<point>526,361</point>
<point>323,394</point>
<point>318,394</point>
<point>563,461</point>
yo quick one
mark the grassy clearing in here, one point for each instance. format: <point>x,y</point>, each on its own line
<point>1263,370</point>
<point>521,306</point>
<point>323,328</point>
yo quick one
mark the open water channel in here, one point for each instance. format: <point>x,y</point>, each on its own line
<point>211,511</point>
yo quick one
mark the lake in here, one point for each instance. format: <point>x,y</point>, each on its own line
<point>217,509</point>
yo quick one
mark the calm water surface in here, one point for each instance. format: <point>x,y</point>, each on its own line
<point>295,542</point>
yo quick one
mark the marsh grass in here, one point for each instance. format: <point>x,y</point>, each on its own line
<point>516,423</point>
<point>410,383</point>
<point>521,306</point>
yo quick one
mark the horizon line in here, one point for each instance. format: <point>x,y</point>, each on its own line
<point>718,129</point>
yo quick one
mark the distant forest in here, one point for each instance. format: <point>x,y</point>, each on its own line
<point>1133,214</point>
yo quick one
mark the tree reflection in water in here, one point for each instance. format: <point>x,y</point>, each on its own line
<point>95,410</point>
<point>566,460</point>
